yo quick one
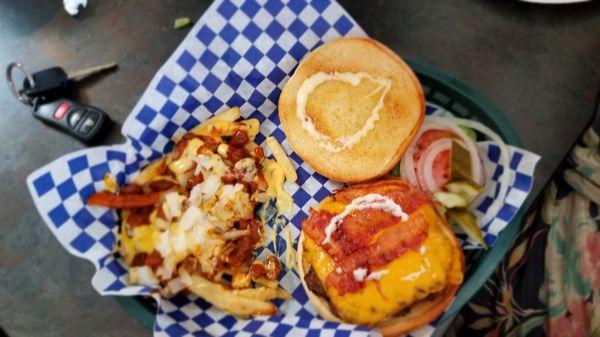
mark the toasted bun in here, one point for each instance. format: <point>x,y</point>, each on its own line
<point>337,109</point>
<point>417,315</point>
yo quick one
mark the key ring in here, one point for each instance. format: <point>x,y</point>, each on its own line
<point>9,69</point>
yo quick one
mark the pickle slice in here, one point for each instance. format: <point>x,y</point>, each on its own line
<point>465,188</point>
<point>467,222</point>
<point>451,200</point>
<point>460,166</point>
<point>395,171</point>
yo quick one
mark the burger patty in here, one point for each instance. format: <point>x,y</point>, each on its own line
<point>314,284</point>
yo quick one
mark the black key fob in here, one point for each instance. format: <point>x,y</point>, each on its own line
<point>81,121</point>
<point>49,84</point>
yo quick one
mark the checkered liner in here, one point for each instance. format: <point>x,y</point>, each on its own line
<point>238,54</point>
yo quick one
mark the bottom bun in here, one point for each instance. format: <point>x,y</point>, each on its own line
<point>410,319</point>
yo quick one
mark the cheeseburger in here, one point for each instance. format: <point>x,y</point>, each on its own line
<point>379,254</point>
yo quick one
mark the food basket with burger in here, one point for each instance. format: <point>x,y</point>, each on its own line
<point>311,185</point>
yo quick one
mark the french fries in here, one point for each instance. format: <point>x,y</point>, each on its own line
<point>225,128</point>
<point>251,126</point>
<point>224,124</point>
<point>230,115</point>
<point>110,183</point>
<point>246,302</point>
<point>220,121</point>
<point>263,293</point>
<point>160,217</point>
<point>150,172</point>
<point>267,283</point>
<point>282,159</point>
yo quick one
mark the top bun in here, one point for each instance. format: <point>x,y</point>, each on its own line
<point>363,106</point>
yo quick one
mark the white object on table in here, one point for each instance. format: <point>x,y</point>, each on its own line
<point>72,6</point>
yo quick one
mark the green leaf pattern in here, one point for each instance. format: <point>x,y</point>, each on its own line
<point>549,282</point>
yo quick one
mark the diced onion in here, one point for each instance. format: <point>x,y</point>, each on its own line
<point>234,234</point>
<point>190,216</point>
<point>142,275</point>
<point>210,186</point>
<point>168,267</point>
<point>175,286</point>
<point>195,195</point>
<point>247,169</point>
<point>228,191</point>
<point>172,206</point>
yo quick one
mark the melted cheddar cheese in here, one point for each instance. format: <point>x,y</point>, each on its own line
<point>275,176</point>
<point>141,239</point>
<point>409,278</point>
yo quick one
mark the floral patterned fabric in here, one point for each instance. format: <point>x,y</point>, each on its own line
<point>549,282</point>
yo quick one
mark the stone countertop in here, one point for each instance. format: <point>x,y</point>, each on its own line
<point>537,64</point>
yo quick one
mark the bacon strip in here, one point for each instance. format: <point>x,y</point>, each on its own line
<point>369,238</point>
<point>386,246</point>
<point>107,199</point>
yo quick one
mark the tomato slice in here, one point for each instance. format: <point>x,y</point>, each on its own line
<point>441,168</point>
<point>441,164</point>
<point>427,138</point>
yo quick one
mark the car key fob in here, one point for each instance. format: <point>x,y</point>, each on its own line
<point>49,84</point>
<point>79,120</point>
<point>52,83</point>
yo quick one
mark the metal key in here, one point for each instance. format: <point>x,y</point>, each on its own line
<point>55,82</point>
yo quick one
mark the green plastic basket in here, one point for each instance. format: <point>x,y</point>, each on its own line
<point>458,98</point>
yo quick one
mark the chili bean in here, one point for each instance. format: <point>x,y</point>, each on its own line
<point>161,185</point>
<point>139,260</point>
<point>194,180</point>
<point>239,139</point>
<point>154,260</point>
<point>272,268</point>
<point>235,154</point>
<point>258,153</point>
<point>257,271</point>
<point>139,217</point>
<point>227,179</point>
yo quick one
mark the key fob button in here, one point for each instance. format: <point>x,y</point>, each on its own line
<point>89,122</point>
<point>75,116</point>
<point>87,126</point>
<point>61,111</point>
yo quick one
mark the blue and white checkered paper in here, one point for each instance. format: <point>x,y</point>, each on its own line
<point>238,54</point>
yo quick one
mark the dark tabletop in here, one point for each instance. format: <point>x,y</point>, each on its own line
<point>539,64</point>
